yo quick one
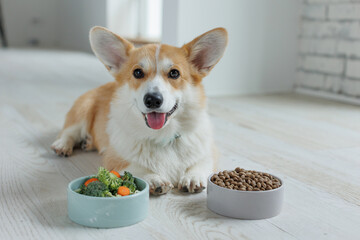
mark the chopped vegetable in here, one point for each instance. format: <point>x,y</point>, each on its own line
<point>109,184</point>
<point>110,179</point>
<point>115,173</point>
<point>90,180</point>
<point>97,189</point>
<point>123,191</point>
<point>128,181</point>
<point>128,177</point>
<point>130,185</point>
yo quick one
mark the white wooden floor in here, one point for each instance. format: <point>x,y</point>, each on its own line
<point>313,144</point>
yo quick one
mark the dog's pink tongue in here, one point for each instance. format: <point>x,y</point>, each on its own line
<point>156,120</point>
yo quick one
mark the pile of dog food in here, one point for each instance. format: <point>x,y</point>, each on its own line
<point>245,180</point>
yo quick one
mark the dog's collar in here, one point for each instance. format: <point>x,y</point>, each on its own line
<point>175,137</point>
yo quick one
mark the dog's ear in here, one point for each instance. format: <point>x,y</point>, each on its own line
<point>111,49</point>
<point>205,51</point>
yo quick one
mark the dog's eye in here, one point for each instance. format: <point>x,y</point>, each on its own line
<point>174,74</point>
<point>138,73</point>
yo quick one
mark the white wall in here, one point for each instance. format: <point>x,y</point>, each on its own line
<point>261,55</point>
<point>135,18</point>
<point>329,49</point>
<point>76,19</point>
<point>30,22</point>
<point>122,18</point>
<point>51,23</point>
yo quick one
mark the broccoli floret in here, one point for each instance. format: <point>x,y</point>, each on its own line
<point>128,177</point>
<point>130,185</point>
<point>129,181</point>
<point>109,179</point>
<point>96,189</point>
<point>81,189</point>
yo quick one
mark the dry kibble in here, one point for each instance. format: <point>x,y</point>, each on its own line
<point>245,180</point>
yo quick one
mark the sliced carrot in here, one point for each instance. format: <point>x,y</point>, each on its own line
<point>90,180</point>
<point>123,191</point>
<point>115,173</point>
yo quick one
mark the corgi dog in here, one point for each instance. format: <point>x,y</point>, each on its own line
<point>152,120</point>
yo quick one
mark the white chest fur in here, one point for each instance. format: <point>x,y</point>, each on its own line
<point>158,150</point>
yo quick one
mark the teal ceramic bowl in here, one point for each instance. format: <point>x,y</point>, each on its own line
<point>108,212</point>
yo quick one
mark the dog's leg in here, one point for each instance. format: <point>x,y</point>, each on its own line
<point>87,144</point>
<point>158,184</point>
<point>194,179</point>
<point>69,136</point>
<point>76,128</point>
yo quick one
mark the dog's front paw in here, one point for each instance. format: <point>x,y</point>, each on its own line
<point>62,148</point>
<point>192,183</point>
<point>158,184</point>
<point>87,144</point>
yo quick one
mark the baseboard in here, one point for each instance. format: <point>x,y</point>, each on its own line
<point>327,95</point>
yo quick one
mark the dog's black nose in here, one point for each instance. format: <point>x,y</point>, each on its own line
<point>153,100</point>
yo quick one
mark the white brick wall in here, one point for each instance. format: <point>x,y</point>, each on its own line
<point>354,30</point>
<point>321,46</point>
<point>353,69</point>
<point>348,11</point>
<point>311,80</point>
<point>314,11</point>
<point>351,88</point>
<point>349,48</point>
<point>323,64</point>
<point>329,47</point>
<point>332,84</point>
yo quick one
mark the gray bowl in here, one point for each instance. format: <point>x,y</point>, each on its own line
<point>107,212</point>
<point>244,204</point>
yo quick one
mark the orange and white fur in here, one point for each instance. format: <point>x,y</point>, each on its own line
<point>152,120</point>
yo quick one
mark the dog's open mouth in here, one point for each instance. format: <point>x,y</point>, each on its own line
<point>157,120</point>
